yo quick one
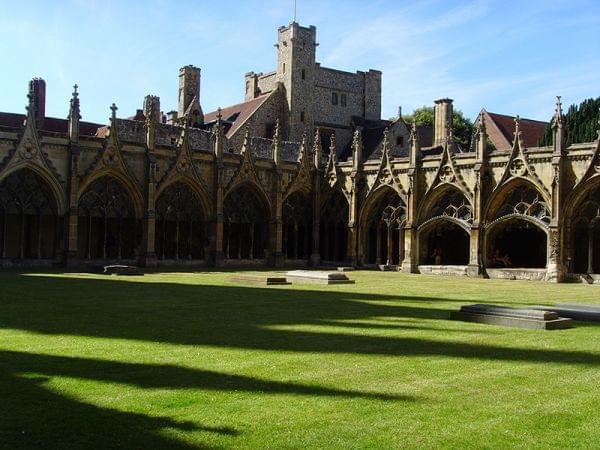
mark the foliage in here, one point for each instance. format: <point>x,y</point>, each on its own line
<point>462,126</point>
<point>580,123</point>
<point>192,360</point>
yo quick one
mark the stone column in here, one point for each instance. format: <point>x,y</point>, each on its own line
<point>150,259</point>
<point>590,267</point>
<point>378,245</point>
<point>473,268</point>
<point>315,257</point>
<point>410,261</point>
<point>390,250</point>
<point>73,219</point>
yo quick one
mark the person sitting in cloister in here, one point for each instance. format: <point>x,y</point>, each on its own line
<point>500,261</point>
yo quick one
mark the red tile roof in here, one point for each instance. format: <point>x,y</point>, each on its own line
<point>237,114</point>
<point>51,124</point>
<point>531,130</point>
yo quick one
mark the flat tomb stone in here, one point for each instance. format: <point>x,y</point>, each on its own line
<point>319,277</point>
<point>345,269</point>
<point>583,313</point>
<point>267,280</point>
<point>532,319</point>
<point>119,269</point>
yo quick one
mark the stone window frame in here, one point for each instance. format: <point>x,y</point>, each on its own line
<point>334,98</point>
<point>344,100</point>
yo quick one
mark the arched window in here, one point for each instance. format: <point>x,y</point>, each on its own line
<point>384,230</point>
<point>107,228</point>
<point>180,224</point>
<point>245,220</point>
<point>334,228</point>
<point>297,226</point>
<point>586,234</point>
<point>29,221</point>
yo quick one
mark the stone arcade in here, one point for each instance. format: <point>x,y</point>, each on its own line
<point>303,173</point>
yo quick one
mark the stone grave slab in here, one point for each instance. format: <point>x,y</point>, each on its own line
<point>346,269</point>
<point>532,319</point>
<point>318,277</point>
<point>583,313</point>
<point>265,280</point>
<point>119,269</point>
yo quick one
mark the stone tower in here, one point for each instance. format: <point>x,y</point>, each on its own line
<point>189,95</point>
<point>296,69</point>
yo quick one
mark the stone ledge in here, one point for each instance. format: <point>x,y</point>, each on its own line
<point>517,274</point>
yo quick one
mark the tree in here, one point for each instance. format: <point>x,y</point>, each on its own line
<point>580,123</point>
<point>462,127</point>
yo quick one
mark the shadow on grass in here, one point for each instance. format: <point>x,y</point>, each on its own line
<point>220,316</point>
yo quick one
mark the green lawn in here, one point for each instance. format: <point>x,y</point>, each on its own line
<point>191,360</point>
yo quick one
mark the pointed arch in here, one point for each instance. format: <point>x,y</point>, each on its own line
<point>444,240</point>
<point>127,183</point>
<point>520,196</point>
<point>381,226</point>
<point>199,190</point>
<point>29,219</point>
<point>57,189</point>
<point>109,226</point>
<point>297,216</point>
<point>246,218</point>
<point>181,223</point>
<point>334,226</point>
<point>446,200</point>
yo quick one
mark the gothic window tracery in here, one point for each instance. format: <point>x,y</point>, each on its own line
<point>108,228</point>
<point>385,230</point>
<point>29,222</point>
<point>245,221</point>
<point>297,226</point>
<point>180,232</point>
<point>525,201</point>
<point>334,227</point>
<point>452,204</point>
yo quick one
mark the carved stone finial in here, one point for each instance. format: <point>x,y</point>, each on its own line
<point>75,93</point>
<point>386,139</point>
<point>332,145</point>
<point>113,109</point>
<point>557,119</point>
<point>219,115</point>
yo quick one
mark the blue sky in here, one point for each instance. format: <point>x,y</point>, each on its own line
<point>510,57</point>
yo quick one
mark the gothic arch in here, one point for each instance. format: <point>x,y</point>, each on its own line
<point>514,186</point>
<point>29,219</point>
<point>517,217</point>
<point>253,186</point>
<point>181,223</point>
<point>444,240</point>
<point>109,227</point>
<point>447,202</point>
<point>194,186</point>
<point>381,226</point>
<point>297,217</point>
<point>582,224</point>
<point>129,185</point>
<point>246,218</point>
<point>49,178</point>
<point>334,226</point>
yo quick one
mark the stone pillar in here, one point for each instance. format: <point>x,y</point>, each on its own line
<point>150,259</point>
<point>473,269</point>
<point>73,219</point>
<point>390,250</point>
<point>216,238</point>
<point>410,261</point>
<point>378,246</point>
<point>590,267</point>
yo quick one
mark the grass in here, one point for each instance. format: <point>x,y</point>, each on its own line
<point>191,360</point>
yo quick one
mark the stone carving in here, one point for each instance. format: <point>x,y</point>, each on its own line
<point>518,167</point>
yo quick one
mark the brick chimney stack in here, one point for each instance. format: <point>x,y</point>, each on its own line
<point>37,91</point>
<point>442,117</point>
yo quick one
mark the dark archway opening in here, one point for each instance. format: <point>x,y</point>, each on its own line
<point>334,229</point>
<point>445,243</point>
<point>180,224</point>
<point>245,220</point>
<point>29,222</point>
<point>297,226</point>
<point>518,243</point>
<point>586,235</point>
<point>108,228</point>
<point>384,234</point>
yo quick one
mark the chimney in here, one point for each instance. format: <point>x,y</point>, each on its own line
<point>152,108</point>
<point>189,94</point>
<point>172,118</point>
<point>37,91</point>
<point>442,118</point>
